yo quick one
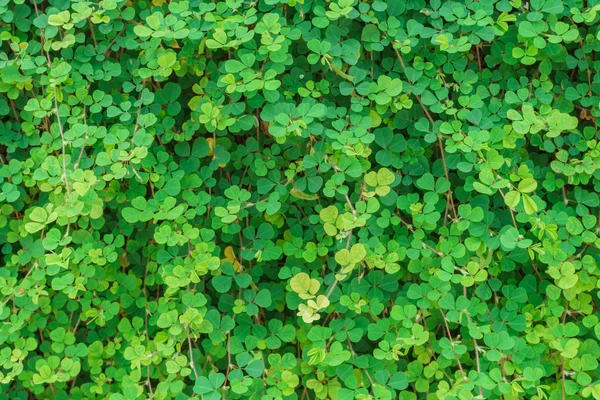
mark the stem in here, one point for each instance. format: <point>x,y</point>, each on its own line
<point>334,284</point>
<point>228,357</point>
<point>14,109</point>
<point>93,33</point>
<point>452,342</point>
<point>84,139</point>
<point>511,211</point>
<point>475,344</point>
<point>430,118</point>
<point>410,228</point>
<point>62,138</point>
<point>350,204</point>
<point>60,127</point>
<point>137,117</point>
<point>148,382</point>
<point>563,321</point>
<point>192,364</point>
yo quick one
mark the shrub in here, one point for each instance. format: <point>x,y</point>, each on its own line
<point>299,199</point>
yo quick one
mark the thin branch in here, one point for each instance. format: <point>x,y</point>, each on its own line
<point>350,204</point>
<point>84,139</point>
<point>192,364</point>
<point>108,50</point>
<point>478,363</point>
<point>137,117</point>
<point>452,341</point>
<point>416,95</point>
<point>564,320</point>
<point>93,33</point>
<point>229,365</point>
<point>334,284</point>
<point>430,118</point>
<point>14,109</point>
<point>510,209</point>
<point>60,127</point>
<point>62,138</point>
<point>411,229</point>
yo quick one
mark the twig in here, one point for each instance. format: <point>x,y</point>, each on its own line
<point>14,109</point>
<point>511,211</point>
<point>137,117</point>
<point>228,357</point>
<point>411,229</point>
<point>430,118</point>
<point>192,364</point>
<point>475,344</point>
<point>452,342</point>
<point>354,354</point>
<point>62,138</point>
<point>148,381</point>
<point>350,204</point>
<point>60,127</point>
<point>84,139</point>
<point>416,95</point>
<point>108,50</point>
<point>93,33</point>
<point>334,284</point>
<point>564,320</point>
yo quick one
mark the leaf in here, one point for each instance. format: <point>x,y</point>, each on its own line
<point>509,238</point>
<point>527,29</point>
<point>426,182</point>
<point>385,177</point>
<point>567,282</point>
<point>527,185</point>
<point>263,298</point>
<point>329,214</point>
<point>358,252</point>
<point>255,368</point>
<point>299,199</point>
<point>202,386</point>
<point>142,31</point>
<point>343,257</point>
<point>447,302</point>
<point>530,205</point>
<point>317,111</point>
<point>512,198</point>
<point>130,215</point>
<point>304,284</point>
<point>221,283</point>
<point>200,149</point>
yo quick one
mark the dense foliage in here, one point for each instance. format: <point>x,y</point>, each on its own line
<point>299,199</point>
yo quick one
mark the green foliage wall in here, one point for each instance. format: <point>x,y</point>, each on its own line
<point>299,199</point>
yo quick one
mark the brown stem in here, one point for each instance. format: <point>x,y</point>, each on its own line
<point>14,109</point>
<point>93,33</point>
<point>478,363</point>
<point>452,341</point>
<point>511,211</point>
<point>430,118</point>
<point>192,364</point>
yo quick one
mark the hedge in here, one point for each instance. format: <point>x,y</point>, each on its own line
<point>299,199</point>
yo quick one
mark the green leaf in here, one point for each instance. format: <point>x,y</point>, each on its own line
<point>263,298</point>
<point>527,185</point>
<point>512,198</point>
<point>329,214</point>
<point>530,205</point>
<point>255,368</point>
<point>426,182</point>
